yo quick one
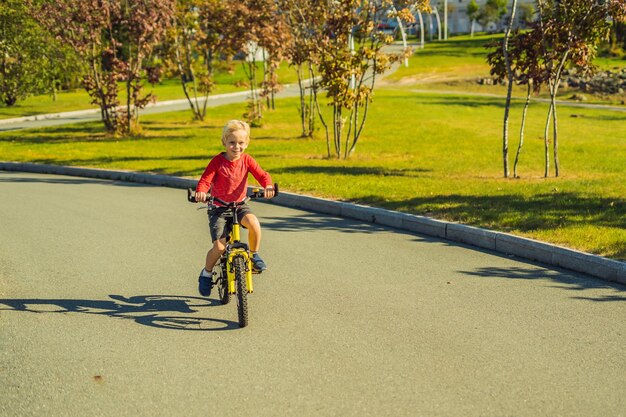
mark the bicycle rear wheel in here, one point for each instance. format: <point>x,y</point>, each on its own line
<point>242,291</point>
<point>222,281</point>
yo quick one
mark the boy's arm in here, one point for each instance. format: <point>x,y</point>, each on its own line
<point>204,184</point>
<point>262,177</point>
<point>259,174</point>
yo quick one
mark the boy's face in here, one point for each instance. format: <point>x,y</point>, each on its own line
<point>235,144</point>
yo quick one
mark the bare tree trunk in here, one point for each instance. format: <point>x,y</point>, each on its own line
<point>312,100</point>
<point>546,143</point>
<point>273,78</point>
<point>430,27</point>
<point>521,131</point>
<point>128,91</point>
<point>436,13</point>
<point>339,125</point>
<point>445,19</point>
<point>351,122</point>
<point>555,144</point>
<point>510,78</point>
<point>319,113</point>
<point>209,67</point>
<point>183,77</point>
<point>553,92</point>
<point>357,131</point>
<point>192,76</point>
<point>104,108</point>
<point>302,102</point>
<point>357,134</point>
<point>421,20</point>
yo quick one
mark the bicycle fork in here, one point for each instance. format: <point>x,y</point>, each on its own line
<point>230,270</point>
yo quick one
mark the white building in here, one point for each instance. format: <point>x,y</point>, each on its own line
<point>459,22</point>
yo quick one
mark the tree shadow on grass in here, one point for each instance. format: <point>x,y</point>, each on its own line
<point>344,170</point>
<point>601,117</point>
<point>87,132</point>
<point>467,101</point>
<point>515,212</point>
<point>160,311</point>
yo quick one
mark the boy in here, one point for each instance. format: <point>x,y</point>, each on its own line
<point>226,177</point>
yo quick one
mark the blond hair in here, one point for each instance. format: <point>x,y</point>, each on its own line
<point>234,125</point>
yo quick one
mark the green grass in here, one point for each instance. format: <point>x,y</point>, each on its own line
<point>459,57</point>
<point>457,64</point>
<point>428,154</point>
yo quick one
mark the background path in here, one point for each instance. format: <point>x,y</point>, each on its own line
<point>99,316</point>
<point>91,115</point>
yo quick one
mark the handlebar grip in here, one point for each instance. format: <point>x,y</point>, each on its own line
<point>191,195</point>
<point>275,189</point>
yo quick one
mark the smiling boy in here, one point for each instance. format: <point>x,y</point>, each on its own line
<point>226,177</point>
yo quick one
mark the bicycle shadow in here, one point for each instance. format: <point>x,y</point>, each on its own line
<point>147,310</point>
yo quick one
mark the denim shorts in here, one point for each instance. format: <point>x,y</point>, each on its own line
<point>220,221</point>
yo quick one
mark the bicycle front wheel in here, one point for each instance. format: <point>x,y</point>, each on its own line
<point>242,291</point>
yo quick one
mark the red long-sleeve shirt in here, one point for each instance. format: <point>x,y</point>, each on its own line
<point>228,180</point>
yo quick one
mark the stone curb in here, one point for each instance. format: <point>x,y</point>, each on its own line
<point>504,243</point>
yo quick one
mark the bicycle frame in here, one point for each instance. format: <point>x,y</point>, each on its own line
<point>235,247</point>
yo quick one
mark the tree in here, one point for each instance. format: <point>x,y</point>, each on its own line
<point>261,29</point>
<point>25,54</point>
<point>351,56</point>
<point>113,38</point>
<point>305,21</point>
<point>510,75</point>
<point>525,62</point>
<point>472,14</point>
<point>141,26</point>
<point>571,31</point>
<point>566,33</point>
<point>198,45</point>
<point>491,12</point>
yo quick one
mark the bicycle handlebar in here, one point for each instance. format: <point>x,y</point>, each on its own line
<point>257,193</point>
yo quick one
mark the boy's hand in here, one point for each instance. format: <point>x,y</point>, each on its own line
<point>200,197</point>
<point>269,192</point>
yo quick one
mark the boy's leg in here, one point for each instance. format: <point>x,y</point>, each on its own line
<point>213,255</point>
<point>217,228</point>
<point>205,280</point>
<point>251,223</point>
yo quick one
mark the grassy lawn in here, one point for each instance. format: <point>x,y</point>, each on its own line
<point>430,154</point>
<point>457,64</point>
<point>169,89</point>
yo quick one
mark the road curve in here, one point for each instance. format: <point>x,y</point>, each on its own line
<point>99,316</point>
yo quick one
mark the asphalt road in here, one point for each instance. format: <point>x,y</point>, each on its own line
<point>99,316</point>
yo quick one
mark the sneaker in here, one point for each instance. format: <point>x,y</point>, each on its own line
<point>257,263</point>
<point>205,284</point>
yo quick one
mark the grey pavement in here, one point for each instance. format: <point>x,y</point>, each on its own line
<point>99,316</point>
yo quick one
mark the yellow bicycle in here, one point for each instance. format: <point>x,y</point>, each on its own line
<point>232,274</point>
